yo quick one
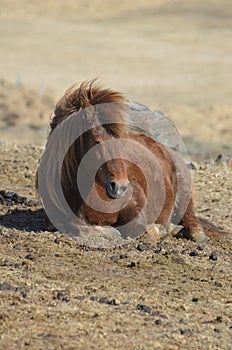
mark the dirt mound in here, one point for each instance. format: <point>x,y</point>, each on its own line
<point>20,105</point>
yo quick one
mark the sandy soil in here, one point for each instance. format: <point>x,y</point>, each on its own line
<point>57,295</point>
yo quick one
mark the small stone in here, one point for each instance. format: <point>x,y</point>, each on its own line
<point>157,250</point>
<point>30,256</point>
<point>93,298</point>
<point>61,296</point>
<point>174,251</point>
<point>114,258</point>
<point>218,284</point>
<point>144,308</point>
<point>216,330</point>
<point>5,286</point>
<point>186,332</point>
<point>141,247</point>
<point>158,322</point>
<point>17,247</point>
<point>24,294</point>
<point>57,240</point>
<point>191,166</point>
<point>132,264</point>
<point>193,253</point>
<point>194,299</point>
<point>123,256</point>
<point>66,299</point>
<point>165,317</point>
<point>221,158</point>
<point>213,256</point>
<point>105,300</point>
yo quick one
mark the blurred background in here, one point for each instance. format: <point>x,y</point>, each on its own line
<point>172,55</point>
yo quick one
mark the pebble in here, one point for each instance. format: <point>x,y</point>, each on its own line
<point>24,294</point>
<point>123,256</point>
<point>213,256</point>
<point>219,319</point>
<point>11,198</point>
<point>216,330</point>
<point>193,253</point>
<point>61,296</point>
<point>194,299</point>
<point>5,286</point>
<point>141,247</point>
<point>30,256</point>
<point>144,308</point>
<point>132,264</point>
<point>158,322</point>
<point>105,300</point>
<point>174,251</point>
<point>186,332</point>
<point>221,158</point>
<point>191,166</point>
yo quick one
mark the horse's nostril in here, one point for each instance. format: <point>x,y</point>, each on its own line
<point>117,189</point>
<point>113,186</point>
<point>125,187</point>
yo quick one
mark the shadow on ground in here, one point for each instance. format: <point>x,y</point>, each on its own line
<point>24,219</point>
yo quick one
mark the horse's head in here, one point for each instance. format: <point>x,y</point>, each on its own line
<point>112,174</point>
<point>105,112</point>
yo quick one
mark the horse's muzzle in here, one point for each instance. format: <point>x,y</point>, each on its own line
<point>117,189</point>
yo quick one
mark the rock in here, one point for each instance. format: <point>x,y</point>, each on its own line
<point>187,332</point>
<point>193,253</point>
<point>132,264</point>
<point>221,158</point>
<point>105,300</point>
<point>61,296</point>
<point>213,256</point>
<point>144,308</point>
<point>5,286</point>
<point>123,256</point>
<point>141,247</point>
<point>194,299</point>
<point>191,166</point>
<point>30,256</point>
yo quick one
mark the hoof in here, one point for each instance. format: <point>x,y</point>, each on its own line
<point>156,233</point>
<point>199,236</point>
<point>107,230</point>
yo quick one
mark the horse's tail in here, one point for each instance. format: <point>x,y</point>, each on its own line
<point>212,230</point>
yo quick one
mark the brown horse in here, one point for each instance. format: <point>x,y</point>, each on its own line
<point>136,180</point>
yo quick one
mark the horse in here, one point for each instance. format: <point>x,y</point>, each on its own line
<point>122,182</point>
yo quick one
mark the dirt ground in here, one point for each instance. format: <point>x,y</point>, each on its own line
<point>56,294</point>
<point>173,56</point>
